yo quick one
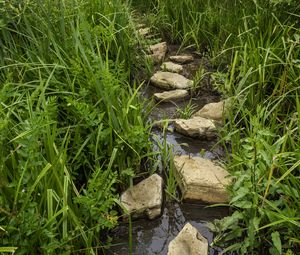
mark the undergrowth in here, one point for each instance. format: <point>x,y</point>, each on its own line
<point>72,132</point>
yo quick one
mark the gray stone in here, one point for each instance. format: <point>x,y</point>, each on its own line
<point>141,25</point>
<point>168,80</point>
<point>201,179</point>
<point>159,51</point>
<point>214,111</point>
<point>197,127</point>
<point>145,198</point>
<point>188,242</point>
<point>173,95</point>
<point>144,31</point>
<point>183,59</point>
<point>171,67</point>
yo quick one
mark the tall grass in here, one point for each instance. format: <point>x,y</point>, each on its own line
<point>255,45</point>
<point>72,133</point>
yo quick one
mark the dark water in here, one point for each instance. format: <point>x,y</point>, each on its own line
<point>153,237</point>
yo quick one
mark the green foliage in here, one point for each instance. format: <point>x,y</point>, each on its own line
<point>72,132</point>
<point>264,135</point>
<point>187,111</point>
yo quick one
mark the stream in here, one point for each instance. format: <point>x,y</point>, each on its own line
<point>153,237</point>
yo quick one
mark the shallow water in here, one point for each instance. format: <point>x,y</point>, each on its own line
<point>153,237</point>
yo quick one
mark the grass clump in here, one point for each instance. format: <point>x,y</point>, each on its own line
<point>72,132</point>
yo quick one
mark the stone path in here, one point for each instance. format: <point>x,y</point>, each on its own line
<point>200,179</point>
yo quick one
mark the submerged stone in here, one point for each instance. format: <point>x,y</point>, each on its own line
<point>169,81</point>
<point>201,179</point>
<point>183,59</point>
<point>197,127</point>
<point>188,242</point>
<point>145,198</point>
<point>171,67</point>
<point>173,95</point>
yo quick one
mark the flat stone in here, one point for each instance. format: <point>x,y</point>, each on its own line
<point>188,242</point>
<point>197,127</point>
<point>144,31</point>
<point>141,25</point>
<point>183,59</point>
<point>171,67</point>
<point>145,198</point>
<point>159,51</point>
<point>201,179</point>
<point>173,95</point>
<point>214,111</point>
<point>169,81</point>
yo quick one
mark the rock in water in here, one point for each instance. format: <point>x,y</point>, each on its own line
<point>144,198</point>
<point>169,81</point>
<point>159,51</point>
<point>197,127</point>
<point>214,111</point>
<point>188,242</point>
<point>171,67</point>
<point>172,95</point>
<point>183,59</point>
<point>200,179</point>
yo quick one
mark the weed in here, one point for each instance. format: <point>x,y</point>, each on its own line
<point>187,111</point>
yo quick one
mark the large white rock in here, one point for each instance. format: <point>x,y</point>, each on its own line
<point>145,198</point>
<point>197,127</point>
<point>168,80</point>
<point>173,95</point>
<point>171,67</point>
<point>159,51</point>
<point>201,179</point>
<point>188,242</point>
<point>183,59</point>
<point>214,111</point>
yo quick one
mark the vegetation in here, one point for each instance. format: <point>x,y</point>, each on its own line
<point>72,133</point>
<point>254,46</point>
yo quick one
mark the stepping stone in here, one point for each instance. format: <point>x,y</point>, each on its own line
<point>145,198</point>
<point>173,95</point>
<point>200,179</point>
<point>141,25</point>
<point>171,67</point>
<point>183,59</point>
<point>144,31</point>
<point>197,127</point>
<point>169,81</point>
<point>188,242</point>
<point>214,111</point>
<point>159,51</point>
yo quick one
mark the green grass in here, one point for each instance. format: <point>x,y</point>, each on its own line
<point>72,132</point>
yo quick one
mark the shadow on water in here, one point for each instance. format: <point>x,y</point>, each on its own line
<point>153,237</point>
